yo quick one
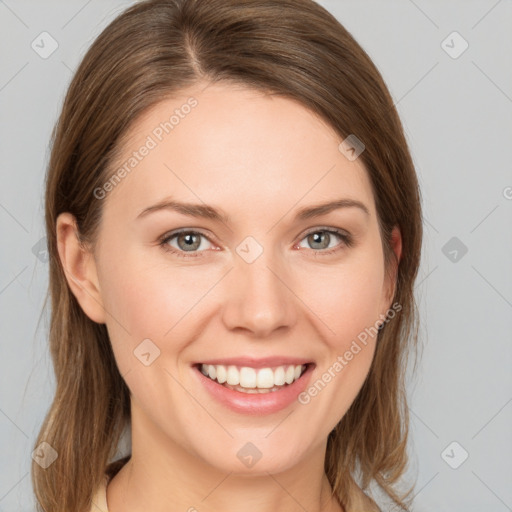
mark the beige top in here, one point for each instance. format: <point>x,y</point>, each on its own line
<point>99,501</point>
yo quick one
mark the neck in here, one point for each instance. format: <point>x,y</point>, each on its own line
<point>161,476</point>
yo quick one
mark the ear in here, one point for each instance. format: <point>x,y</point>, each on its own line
<point>80,268</point>
<point>392,274</point>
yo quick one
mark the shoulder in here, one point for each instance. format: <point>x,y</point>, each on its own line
<point>99,500</point>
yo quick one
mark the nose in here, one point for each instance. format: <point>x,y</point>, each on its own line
<point>260,299</point>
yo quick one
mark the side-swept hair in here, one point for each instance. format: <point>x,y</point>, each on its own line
<point>151,51</point>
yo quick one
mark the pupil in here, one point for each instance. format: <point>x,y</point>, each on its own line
<point>189,240</point>
<point>317,238</point>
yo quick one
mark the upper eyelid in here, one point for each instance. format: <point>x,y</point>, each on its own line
<point>171,234</point>
<point>338,231</point>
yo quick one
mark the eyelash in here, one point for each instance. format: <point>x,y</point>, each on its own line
<point>165,239</point>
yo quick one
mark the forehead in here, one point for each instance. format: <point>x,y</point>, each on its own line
<point>235,147</point>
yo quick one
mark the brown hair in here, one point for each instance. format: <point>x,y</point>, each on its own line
<point>293,48</point>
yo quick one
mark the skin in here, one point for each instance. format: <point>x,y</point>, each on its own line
<point>258,158</point>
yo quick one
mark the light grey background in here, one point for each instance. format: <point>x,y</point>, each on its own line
<point>457,113</point>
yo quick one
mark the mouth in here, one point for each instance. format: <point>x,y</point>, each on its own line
<point>254,380</point>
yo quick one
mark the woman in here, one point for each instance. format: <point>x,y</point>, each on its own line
<point>234,229</point>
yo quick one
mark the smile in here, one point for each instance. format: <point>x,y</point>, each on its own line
<point>253,380</point>
<point>254,390</point>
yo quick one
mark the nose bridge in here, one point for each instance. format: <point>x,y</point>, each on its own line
<point>259,299</point>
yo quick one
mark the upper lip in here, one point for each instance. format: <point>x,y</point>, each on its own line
<point>252,362</point>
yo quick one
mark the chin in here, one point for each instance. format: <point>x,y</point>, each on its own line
<point>255,455</point>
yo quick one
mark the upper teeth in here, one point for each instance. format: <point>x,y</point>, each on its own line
<point>248,377</point>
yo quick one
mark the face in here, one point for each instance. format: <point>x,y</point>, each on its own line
<point>252,277</point>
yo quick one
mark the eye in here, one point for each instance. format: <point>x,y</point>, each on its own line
<point>186,242</point>
<point>189,243</point>
<point>321,239</point>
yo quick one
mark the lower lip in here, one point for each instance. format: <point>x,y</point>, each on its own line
<point>252,403</point>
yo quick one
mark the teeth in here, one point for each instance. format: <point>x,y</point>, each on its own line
<point>252,378</point>
<point>253,390</point>
<point>279,374</point>
<point>222,374</point>
<point>233,376</point>
<point>248,377</point>
<point>290,374</point>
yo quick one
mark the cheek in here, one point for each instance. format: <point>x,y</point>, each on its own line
<point>348,308</point>
<point>147,301</point>
<point>145,294</point>
<point>347,299</point>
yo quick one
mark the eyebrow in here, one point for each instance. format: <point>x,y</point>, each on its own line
<point>209,212</point>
